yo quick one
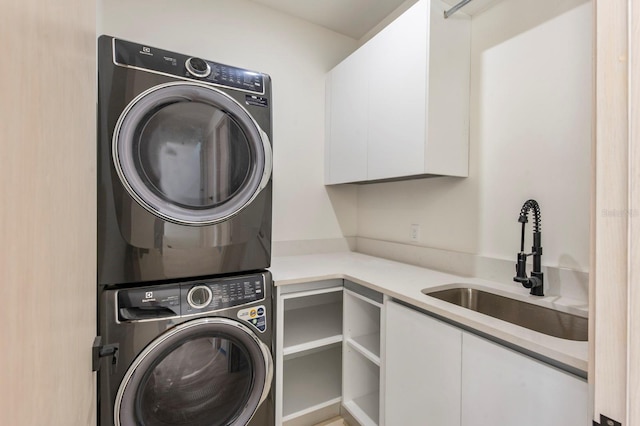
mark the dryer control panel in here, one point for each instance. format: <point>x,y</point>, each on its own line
<point>160,61</point>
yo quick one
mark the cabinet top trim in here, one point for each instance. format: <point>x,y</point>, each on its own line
<point>311,293</point>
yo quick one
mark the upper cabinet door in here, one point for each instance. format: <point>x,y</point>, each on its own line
<point>347,100</point>
<point>397,107</point>
<point>447,95</point>
<point>402,101</point>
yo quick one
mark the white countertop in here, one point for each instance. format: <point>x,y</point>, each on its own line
<point>405,282</point>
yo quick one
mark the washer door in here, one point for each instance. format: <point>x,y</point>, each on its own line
<point>205,372</point>
<point>190,154</point>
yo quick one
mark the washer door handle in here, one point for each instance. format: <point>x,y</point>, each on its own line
<point>268,161</point>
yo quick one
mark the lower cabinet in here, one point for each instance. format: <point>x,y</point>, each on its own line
<point>422,369</point>
<point>341,349</point>
<point>504,387</point>
<point>437,374</point>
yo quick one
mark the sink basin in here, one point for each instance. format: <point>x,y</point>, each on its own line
<point>534,317</point>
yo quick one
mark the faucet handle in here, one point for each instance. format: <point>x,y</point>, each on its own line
<point>521,268</point>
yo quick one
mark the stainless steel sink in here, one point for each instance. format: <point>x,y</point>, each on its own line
<point>533,317</point>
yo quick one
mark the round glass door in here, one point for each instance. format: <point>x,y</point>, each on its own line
<point>190,154</point>
<point>209,372</point>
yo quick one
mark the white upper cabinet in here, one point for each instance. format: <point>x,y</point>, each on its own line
<point>399,106</point>
<point>347,103</point>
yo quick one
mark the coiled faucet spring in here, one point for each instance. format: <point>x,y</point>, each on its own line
<point>524,211</point>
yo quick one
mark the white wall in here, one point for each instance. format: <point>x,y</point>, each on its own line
<point>297,55</point>
<point>531,124</point>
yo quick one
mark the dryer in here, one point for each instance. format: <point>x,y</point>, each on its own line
<point>193,353</point>
<point>184,166</point>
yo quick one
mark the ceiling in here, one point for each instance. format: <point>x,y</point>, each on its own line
<point>353,18</point>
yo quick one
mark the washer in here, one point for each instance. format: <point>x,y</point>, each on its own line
<point>184,166</point>
<point>195,353</point>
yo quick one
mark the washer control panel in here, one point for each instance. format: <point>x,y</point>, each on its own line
<point>224,293</point>
<point>160,61</point>
<point>195,297</point>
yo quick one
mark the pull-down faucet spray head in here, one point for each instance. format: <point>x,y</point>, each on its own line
<point>536,281</point>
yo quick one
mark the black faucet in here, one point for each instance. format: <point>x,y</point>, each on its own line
<point>536,281</point>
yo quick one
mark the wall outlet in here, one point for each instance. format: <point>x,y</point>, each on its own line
<point>414,233</point>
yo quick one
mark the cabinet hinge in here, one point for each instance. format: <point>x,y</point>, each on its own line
<point>98,350</point>
<point>606,421</point>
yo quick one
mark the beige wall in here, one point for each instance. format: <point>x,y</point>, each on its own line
<point>297,55</point>
<point>614,368</point>
<point>47,212</point>
<point>531,120</point>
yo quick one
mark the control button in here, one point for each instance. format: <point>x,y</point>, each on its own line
<point>199,296</point>
<point>198,67</point>
<point>260,312</point>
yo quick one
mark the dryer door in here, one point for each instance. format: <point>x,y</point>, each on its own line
<point>205,372</point>
<point>190,154</point>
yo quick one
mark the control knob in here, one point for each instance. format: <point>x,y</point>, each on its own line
<point>198,67</point>
<point>199,296</point>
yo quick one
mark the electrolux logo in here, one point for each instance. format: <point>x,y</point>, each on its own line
<point>148,297</point>
<point>146,51</point>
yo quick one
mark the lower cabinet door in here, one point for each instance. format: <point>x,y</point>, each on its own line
<point>504,387</point>
<point>422,369</point>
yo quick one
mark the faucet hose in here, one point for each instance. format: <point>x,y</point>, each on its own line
<point>530,205</point>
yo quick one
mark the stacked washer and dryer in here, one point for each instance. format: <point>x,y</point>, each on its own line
<point>185,303</point>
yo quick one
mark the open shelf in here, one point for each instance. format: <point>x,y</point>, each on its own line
<point>362,325</point>
<point>361,356</point>
<point>310,350</point>
<point>312,326</point>
<point>312,381</point>
<point>309,353</point>
<point>361,386</point>
<point>368,345</point>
